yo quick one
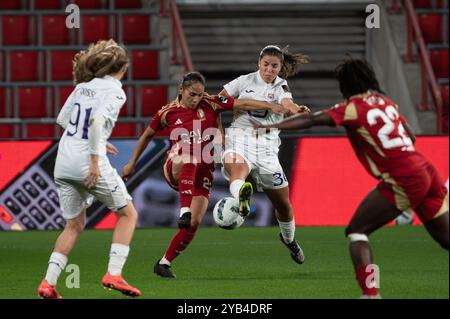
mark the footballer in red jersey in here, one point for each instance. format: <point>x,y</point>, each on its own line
<point>384,144</point>
<point>192,120</point>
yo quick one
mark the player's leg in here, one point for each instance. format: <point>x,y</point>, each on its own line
<point>237,169</point>
<point>182,238</point>
<point>120,249</point>
<point>181,171</point>
<point>285,216</point>
<point>438,229</point>
<point>73,202</point>
<point>111,191</point>
<point>373,212</point>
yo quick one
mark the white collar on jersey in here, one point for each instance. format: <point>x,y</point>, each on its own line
<point>110,78</point>
<point>261,80</point>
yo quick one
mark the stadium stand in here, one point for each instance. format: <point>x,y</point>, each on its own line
<point>36,52</point>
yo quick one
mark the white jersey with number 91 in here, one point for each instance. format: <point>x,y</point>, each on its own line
<point>98,97</point>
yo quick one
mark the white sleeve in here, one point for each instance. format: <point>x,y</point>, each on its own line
<point>284,92</point>
<point>95,134</point>
<point>109,107</point>
<point>66,111</point>
<point>233,88</point>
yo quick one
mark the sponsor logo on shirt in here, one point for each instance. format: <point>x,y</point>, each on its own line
<point>201,113</point>
<point>286,88</point>
<point>178,122</point>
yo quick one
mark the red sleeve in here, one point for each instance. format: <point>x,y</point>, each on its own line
<point>337,113</point>
<point>155,123</point>
<point>344,114</point>
<point>220,103</point>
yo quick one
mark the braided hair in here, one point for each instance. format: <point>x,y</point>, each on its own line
<point>356,76</point>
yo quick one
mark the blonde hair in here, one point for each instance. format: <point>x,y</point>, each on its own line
<point>102,58</point>
<point>289,61</point>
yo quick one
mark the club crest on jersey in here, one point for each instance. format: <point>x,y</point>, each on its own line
<point>270,95</point>
<point>201,114</point>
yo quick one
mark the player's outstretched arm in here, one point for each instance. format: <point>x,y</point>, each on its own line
<point>302,121</point>
<point>94,137</point>
<point>141,145</point>
<point>255,105</point>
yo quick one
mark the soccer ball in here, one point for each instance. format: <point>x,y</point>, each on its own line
<point>226,213</point>
<point>404,218</point>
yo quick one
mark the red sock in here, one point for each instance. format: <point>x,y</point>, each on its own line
<point>179,242</point>
<point>186,184</point>
<point>361,276</point>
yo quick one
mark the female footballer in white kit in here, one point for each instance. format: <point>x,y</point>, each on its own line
<point>247,153</point>
<point>82,169</point>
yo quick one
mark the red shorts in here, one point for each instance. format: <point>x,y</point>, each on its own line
<point>203,178</point>
<point>423,191</point>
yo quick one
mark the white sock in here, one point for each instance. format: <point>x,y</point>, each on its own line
<point>287,230</point>
<point>235,186</point>
<point>56,265</point>
<point>164,261</point>
<point>184,210</point>
<point>117,258</point>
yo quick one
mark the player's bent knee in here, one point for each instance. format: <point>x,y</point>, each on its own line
<point>354,237</point>
<point>75,226</point>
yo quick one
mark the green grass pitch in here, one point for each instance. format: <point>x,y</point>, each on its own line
<point>243,263</point>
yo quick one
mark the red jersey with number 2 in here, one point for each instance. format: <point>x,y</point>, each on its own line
<point>191,129</point>
<point>377,133</point>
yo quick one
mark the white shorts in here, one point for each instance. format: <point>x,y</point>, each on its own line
<point>74,196</point>
<point>261,157</point>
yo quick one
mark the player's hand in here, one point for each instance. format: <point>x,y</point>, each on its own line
<point>127,171</point>
<point>111,149</point>
<point>93,176</point>
<point>303,109</point>
<point>278,109</point>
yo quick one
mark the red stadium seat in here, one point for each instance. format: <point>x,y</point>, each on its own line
<point>2,102</point>
<point>16,30</point>
<point>439,62</point>
<point>444,92</point>
<point>7,131</point>
<point>132,23</point>
<point>10,4</point>
<point>153,98</point>
<point>445,110</point>
<point>95,28</point>
<point>64,92</point>
<point>127,4</point>
<point>129,108</point>
<point>24,66</point>
<point>428,4</point>
<point>40,130</point>
<point>47,4</point>
<point>124,130</point>
<point>33,102</point>
<point>89,4</point>
<point>145,65</point>
<point>431,26</point>
<point>54,31</point>
<point>61,68</point>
